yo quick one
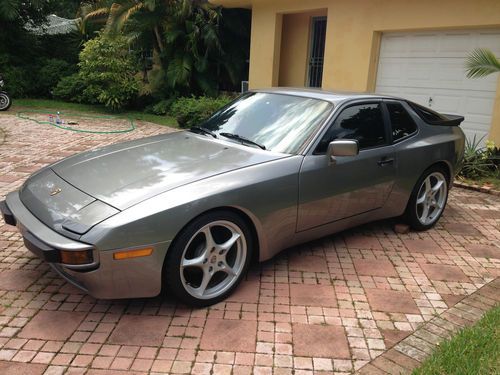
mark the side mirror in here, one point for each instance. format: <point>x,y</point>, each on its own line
<point>342,147</point>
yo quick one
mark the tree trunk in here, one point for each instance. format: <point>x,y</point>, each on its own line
<point>159,41</point>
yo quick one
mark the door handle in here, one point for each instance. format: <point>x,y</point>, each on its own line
<point>385,161</point>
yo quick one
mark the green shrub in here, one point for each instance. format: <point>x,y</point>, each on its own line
<point>161,108</point>
<point>108,70</point>
<point>193,111</point>
<point>71,89</point>
<point>479,161</point>
<point>18,81</point>
<point>51,72</point>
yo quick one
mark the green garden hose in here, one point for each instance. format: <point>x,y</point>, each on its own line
<point>24,115</point>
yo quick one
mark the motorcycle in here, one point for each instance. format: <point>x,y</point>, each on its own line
<point>5,101</point>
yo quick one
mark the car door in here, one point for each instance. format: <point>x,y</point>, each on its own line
<point>353,184</point>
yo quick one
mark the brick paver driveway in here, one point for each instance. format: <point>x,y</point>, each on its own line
<point>329,305</point>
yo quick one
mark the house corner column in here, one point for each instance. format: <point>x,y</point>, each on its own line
<point>265,48</point>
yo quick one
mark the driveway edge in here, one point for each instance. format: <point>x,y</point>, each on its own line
<point>483,189</point>
<point>410,352</point>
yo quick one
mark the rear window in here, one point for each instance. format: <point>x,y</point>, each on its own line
<point>402,125</point>
<point>427,114</point>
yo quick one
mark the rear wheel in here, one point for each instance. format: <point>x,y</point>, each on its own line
<point>428,199</point>
<point>209,258</point>
<point>5,101</point>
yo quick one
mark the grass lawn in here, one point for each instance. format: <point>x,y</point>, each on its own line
<point>43,104</point>
<point>473,351</point>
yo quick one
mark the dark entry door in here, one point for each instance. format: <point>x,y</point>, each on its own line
<point>316,51</point>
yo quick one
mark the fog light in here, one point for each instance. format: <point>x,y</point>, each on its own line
<point>76,257</point>
<point>127,254</point>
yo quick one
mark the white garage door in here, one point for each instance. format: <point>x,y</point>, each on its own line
<point>429,68</point>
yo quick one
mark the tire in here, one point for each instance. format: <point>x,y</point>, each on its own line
<point>5,101</point>
<point>200,272</point>
<point>435,180</point>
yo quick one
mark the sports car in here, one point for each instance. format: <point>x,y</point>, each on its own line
<point>187,212</point>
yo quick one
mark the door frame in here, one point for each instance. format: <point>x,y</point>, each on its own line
<point>315,19</point>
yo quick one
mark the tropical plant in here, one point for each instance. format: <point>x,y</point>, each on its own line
<point>108,69</point>
<point>185,35</point>
<point>482,62</point>
<point>478,161</point>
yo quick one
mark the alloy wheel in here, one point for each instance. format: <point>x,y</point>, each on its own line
<point>213,259</point>
<point>431,198</point>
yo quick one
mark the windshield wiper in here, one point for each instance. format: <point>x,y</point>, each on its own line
<point>242,139</point>
<point>200,129</point>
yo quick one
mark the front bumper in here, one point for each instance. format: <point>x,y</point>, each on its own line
<point>105,278</point>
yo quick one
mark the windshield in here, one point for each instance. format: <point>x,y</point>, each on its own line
<point>280,123</point>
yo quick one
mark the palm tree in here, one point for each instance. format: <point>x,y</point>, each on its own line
<point>183,33</point>
<point>482,62</point>
<point>115,16</point>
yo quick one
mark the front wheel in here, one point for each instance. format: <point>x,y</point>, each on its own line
<point>5,101</point>
<point>428,199</point>
<point>209,258</point>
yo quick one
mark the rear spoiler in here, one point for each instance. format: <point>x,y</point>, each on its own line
<point>452,120</point>
<point>434,118</point>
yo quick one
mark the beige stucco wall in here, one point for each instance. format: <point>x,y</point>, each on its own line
<point>295,39</point>
<point>353,36</point>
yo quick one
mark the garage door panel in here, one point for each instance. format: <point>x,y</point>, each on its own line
<point>391,73</point>
<point>479,106</point>
<point>424,65</point>
<point>489,40</point>
<point>451,73</point>
<point>455,44</point>
<point>419,72</point>
<point>394,45</point>
<point>447,103</point>
<point>423,44</point>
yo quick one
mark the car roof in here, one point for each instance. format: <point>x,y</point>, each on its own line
<point>335,97</point>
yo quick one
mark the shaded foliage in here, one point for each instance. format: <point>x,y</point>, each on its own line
<point>177,48</point>
<point>192,111</point>
<point>32,64</point>
<point>198,49</point>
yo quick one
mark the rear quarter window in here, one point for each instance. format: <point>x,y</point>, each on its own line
<point>427,114</point>
<point>402,125</point>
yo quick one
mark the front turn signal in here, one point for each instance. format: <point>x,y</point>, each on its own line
<point>127,254</point>
<point>76,257</point>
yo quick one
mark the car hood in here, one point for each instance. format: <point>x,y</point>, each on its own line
<point>125,174</point>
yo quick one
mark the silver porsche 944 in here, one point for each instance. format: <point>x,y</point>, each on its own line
<point>188,211</point>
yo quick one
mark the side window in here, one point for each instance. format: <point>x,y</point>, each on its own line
<point>362,122</point>
<point>401,122</point>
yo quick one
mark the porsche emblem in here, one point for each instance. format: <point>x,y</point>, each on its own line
<point>55,191</point>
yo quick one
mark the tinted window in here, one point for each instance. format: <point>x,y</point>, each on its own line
<point>401,122</point>
<point>363,123</point>
<point>281,123</point>
<point>428,115</point>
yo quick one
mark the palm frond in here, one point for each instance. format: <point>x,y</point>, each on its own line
<point>98,13</point>
<point>9,9</point>
<point>120,14</point>
<point>481,62</point>
<point>134,9</point>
